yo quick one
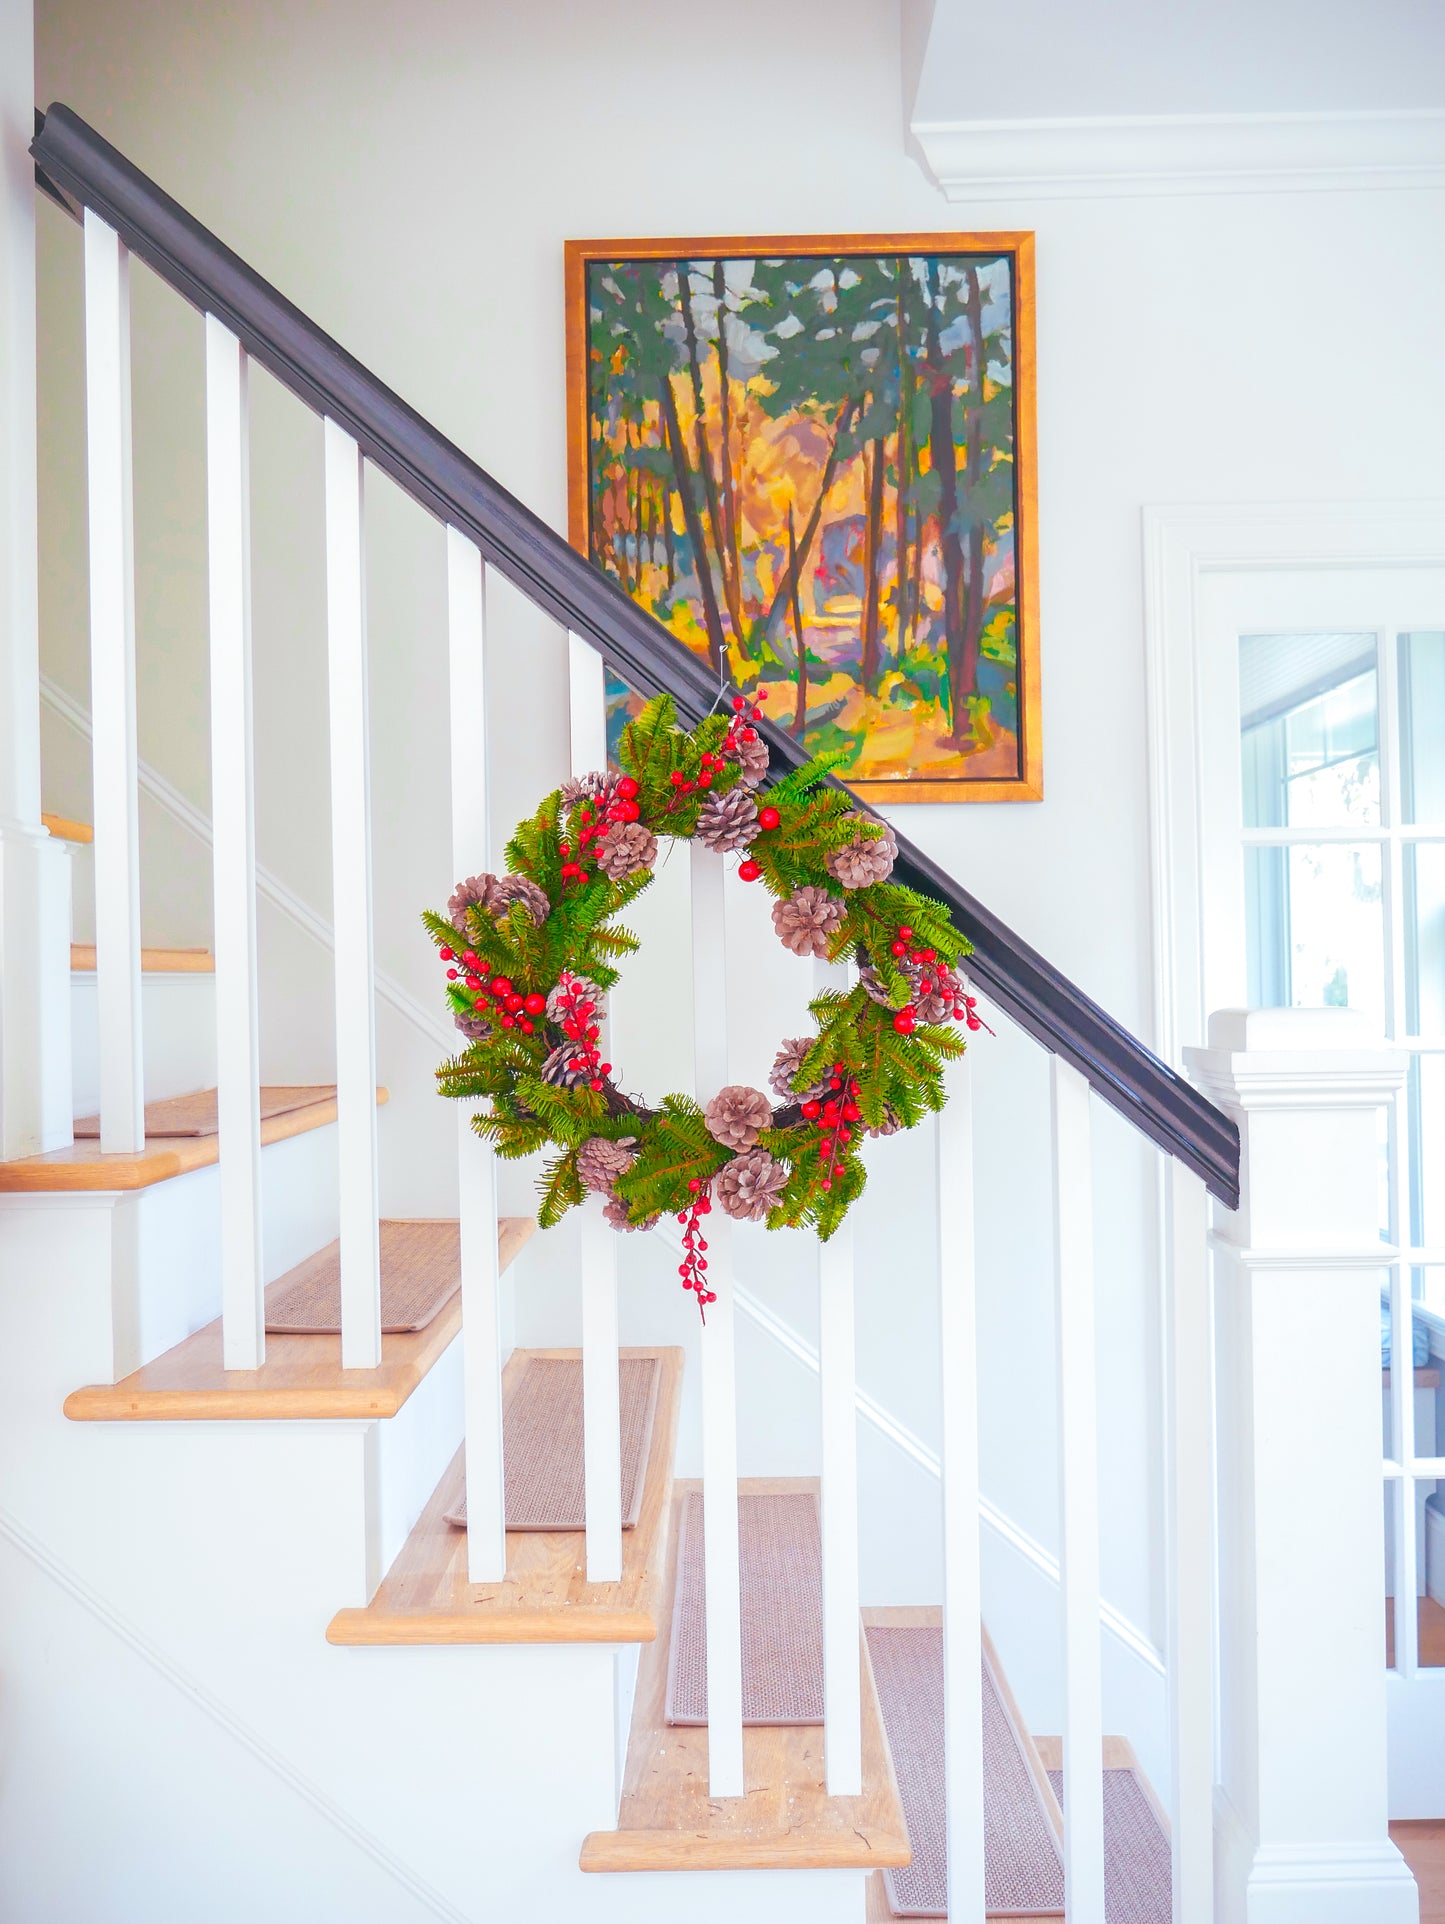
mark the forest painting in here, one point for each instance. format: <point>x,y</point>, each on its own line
<point>813,462</point>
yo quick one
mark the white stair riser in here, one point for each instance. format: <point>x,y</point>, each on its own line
<point>178,1036</point>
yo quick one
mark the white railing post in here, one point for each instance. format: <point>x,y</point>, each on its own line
<point>1077,1365</point>
<point>838,1391</point>
<point>723,1604</point>
<point>233,842</point>
<point>477,1168</point>
<point>962,1575</point>
<point>351,897</point>
<point>1303,1769</point>
<point>35,1080</point>
<point>1189,1544</point>
<point>112,687</point>
<point>601,1413</point>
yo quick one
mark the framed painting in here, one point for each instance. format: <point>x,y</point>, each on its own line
<point>813,460</point>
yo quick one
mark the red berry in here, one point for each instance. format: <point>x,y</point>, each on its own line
<point>628,811</point>
<point>959,1014</point>
<point>768,817</point>
<point>748,871</point>
<point>564,848</point>
<point>705,779</point>
<point>905,932</point>
<point>451,975</point>
<point>627,788</point>
<point>446,955</point>
<point>501,986</point>
<point>926,955</point>
<point>484,968</point>
<point>845,1135</point>
<point>762,695</point>
<point>825,1184</point>
<point>825,1148</point>
<point>469,959</point>
<point>738,704</point>
<point>750,734</point>
<point>595,1085</point>
<point>677,778</point>
<point>479,1002</point>
<point>812,1110</point>
<point>835,1082</point>
<point>898,948</point>
<point>525,1026</point>
<point>694,1185</point>
<point>515,1003</point>
<point>904,1020</point>
<point>605,1068</point>
<point>975,1022</point>
<point>535,1003</point>
<point>509,1022</point>
<point>851,1112</point>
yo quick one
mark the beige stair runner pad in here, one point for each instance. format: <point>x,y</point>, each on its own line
<point>542,1453</point>
<point>1138,1868</point>
<point>780,1573</point>
<point>1023,1872</point>
<point>421,1270</point>
<point>195,1115</point>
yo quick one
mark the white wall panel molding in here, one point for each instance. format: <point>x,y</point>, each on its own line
<point>204,1699</point>
<point>1132,154</point>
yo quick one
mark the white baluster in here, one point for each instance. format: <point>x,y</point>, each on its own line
<point>1078,1496</point>
<point>238,1053</point>
<point>481,1280</point>
<point>838,1390</point>
<point>112,687</point>
<point>1189,1547</point>
<point>601,1417</point>
<point>351,896</point>
<point>723,1609</point>
<point>962,1615</point>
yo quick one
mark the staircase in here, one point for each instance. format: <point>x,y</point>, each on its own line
<point>318,1555</point>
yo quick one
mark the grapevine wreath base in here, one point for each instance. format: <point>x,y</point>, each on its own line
<point>531,954</point>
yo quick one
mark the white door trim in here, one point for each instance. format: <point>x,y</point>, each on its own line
<point>1182,545</point>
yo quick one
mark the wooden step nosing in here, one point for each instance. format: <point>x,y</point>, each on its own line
<point>663,1850</point>
<point>356,1628</point>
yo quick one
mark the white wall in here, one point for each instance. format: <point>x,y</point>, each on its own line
<point>408,175</point>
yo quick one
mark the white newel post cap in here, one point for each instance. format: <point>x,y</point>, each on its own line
<point>1305,1087</point>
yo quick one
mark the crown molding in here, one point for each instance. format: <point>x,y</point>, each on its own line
<point>1125,155</point>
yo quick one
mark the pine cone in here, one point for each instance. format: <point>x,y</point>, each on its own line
<point>934,1004</point>
<point>872,985</point>
<point>624,847</point>
<point>615,1210</point>
<point>579,989</point>
<point>889,1126</point>
<point>600,1162</point>
<point>561,1067</point>
<point>786,1065</point>
<point>475,1026</point>
<point>806,920</point>
<point>728,821</point>
<point>863,862</point>
<point>750,1185</point>
<point>494,895</point>
<point>753,760</point>
<point>596,787</point>
<point>737,1115</point>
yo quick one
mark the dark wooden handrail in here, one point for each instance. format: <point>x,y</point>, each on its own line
<point>81,170</point>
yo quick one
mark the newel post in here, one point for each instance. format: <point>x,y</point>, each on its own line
<point>1301,1832</point>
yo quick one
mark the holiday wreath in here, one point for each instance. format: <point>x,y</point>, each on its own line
<point>531,954</point>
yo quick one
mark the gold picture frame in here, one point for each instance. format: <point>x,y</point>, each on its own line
<point>886,464</point>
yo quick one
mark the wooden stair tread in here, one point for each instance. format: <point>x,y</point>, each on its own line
<point>301,1377</point>
<point>152,961</point>
<point>786,1820</point>
<point>82,1166</point>
<point>65,830</point>
<point>427,1598</point>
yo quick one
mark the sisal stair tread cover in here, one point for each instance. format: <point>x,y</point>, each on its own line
<point>301,1377</point>
<point>542,1442</point>
<point>1023,1868</point>
<point>421,1271</point>
<point>780,1583</point>
<point>785,1819</point>
<point>83,1166</point>
<point>427,1597</point>
<point>196,1114</point>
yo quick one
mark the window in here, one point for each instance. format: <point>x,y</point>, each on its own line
<point>1343,764</point>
